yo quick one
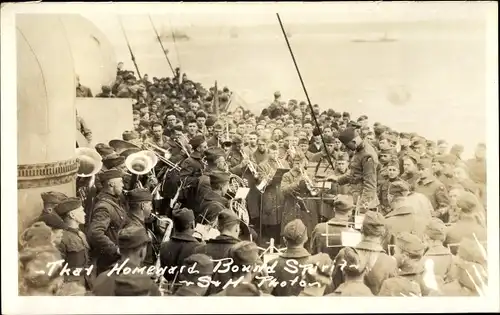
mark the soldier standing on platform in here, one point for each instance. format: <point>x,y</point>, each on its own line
<point>363,167</point>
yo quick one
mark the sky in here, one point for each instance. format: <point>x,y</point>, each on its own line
<point>247,14</point>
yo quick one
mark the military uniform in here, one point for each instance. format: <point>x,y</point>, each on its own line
<point>83,91</point>
<point>404,219</point>
<point>352,288</point>
<point>213,203</point>
<point>117,283</point>
<point>435,191</point>
<point>295,234</point>
<point>108,218</point>
<point>465,227</point>
<point>363,174</point>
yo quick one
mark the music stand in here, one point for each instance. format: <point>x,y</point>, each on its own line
<point>275,181</point>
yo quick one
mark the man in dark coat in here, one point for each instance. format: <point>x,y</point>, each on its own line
<point>218,248</point>
<point>181,244</point>
<point>214,201</point>
<point>433,189</point>
<point>132,242</point>
<point>294,236</point>
<point>107,219</point>
<point>363,167</point>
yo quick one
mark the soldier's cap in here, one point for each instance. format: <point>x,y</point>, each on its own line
<point>303,141</point>
<point>399,187</point>
<point>347,135</point>
<point>201,113</point>
<point>132,237</point>
<point>373,224</point>
<point>196,141</point>
<point>227,218</point>
<point>410,243</point>
<point>53,220</point>
<point>210,121</point>
<point>425,163</point>
<point>467,202</point>
<point>419,141</point>
<point>143,105</point>
<point>67,206</point>
<point>139,195</point>
<point>104,149</point>
<point>457,148</point>
<point>343,203</point>
<point>111,174</point>
<point>213,153</point>
<point>350,258</point>
<point>134,284</point>
<point>113,160</point>
<point>441,141</point>
<point>316,132</point>
<point>245,253</point>
<point>128,152</point>
<point>393,163</point>
<point>183,215</point>
<point>295,231</point>
<point>135,112</point>
<point>144,123</point>
<point>38,234</point>
<point>237,140</point>
<point>329,139</point>
<point>412,156</point>
<point>129,135</point>
<point>219,177</point>
<point>218,126</point>
<point>346,114</point>
<point>436,229</point>
<point>277,93</point>
<point>469,250</point>
<point>52,197</point>
<point>388,151</point>
<point>37,261</point>
<point>203,264</point>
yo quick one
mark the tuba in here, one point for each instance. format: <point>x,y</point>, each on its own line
<point>139,164</point>
<point>90,163</point>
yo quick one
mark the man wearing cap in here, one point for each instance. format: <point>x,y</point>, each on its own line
<point>216,139</point>
<point>193,166</point>
<point>471,222</point>
<point>109,215</point>
<point>50,200</point>
<point>293,186</point>
<point>181,244</point>
<point>132,242</point>
<point>214,201</point>
<point>229,226</point>
<point>244,254</point>
<point>140,205</point>
<point>471,272</point>
<point>205,266</point>
<point>353,267</point>
<point>74,247</point>
<point>363,171</point>
<point>318,163</point>
<point>442,170</point>
<point>341,169</point>
<point>435,235</point>
<point>409,164</point>
<point>408,255</point>
<point>431,187</point>
<point>403,217</point>
<point>326,236</point>
<point>216,162</point>
<point>294,237</point>
<point>392,169</point>
<point>236,159</point>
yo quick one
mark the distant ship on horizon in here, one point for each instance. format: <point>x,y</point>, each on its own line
<point>383,39</point>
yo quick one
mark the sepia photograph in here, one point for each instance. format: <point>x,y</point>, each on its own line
<point>223,150</point>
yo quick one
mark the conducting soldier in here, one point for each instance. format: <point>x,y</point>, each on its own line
<point>107,219</point>
<point>363,171</point>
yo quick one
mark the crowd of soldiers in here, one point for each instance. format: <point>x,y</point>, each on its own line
<point>405,199</point>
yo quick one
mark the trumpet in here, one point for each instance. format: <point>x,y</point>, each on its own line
<point>265,181</point>
<point>251,167</point>
<point>182,144</point>
<point>309,183</point>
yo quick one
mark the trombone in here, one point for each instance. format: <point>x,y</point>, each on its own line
<point>164,158</point>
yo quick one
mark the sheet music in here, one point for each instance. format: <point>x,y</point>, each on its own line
<point>241,193</point>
